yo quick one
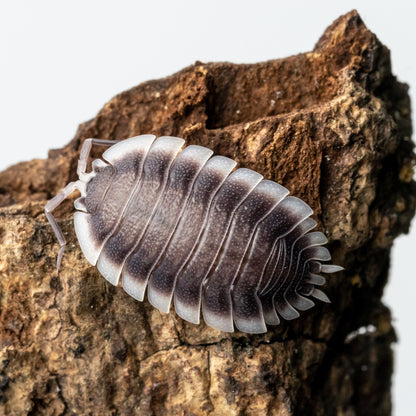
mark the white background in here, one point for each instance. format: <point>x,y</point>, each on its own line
<point>61,61</point>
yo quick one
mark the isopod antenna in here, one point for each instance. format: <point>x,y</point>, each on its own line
<point>78,185</point>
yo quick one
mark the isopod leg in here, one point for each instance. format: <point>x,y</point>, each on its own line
<point>51,205</point>
<point>86,150</point>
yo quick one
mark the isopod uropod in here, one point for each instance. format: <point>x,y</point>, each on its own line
<point>190,227</point>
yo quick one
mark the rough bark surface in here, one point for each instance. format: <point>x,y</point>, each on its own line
<point>333,126</point>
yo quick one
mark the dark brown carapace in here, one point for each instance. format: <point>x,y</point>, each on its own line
<point>190,227</point>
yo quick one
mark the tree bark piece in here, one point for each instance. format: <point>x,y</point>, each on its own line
<point>333,126</point>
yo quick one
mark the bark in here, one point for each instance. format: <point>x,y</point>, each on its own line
<point>333,126</point>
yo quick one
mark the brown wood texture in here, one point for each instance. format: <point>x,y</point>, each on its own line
<point>333,126</point>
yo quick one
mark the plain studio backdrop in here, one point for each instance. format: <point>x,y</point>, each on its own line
<point>60,62</point>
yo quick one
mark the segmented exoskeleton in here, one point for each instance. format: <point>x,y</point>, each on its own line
<point>189,227</point>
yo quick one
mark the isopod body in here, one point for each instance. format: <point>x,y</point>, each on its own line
<point>191,228</point>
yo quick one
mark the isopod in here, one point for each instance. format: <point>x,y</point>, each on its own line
<point>191,228</point>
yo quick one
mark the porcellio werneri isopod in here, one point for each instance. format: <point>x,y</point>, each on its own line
<point>190,227</point>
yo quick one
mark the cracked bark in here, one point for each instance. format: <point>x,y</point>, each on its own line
<point>333,126</point>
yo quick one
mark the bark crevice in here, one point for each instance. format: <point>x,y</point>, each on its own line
<point>333,126</point>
